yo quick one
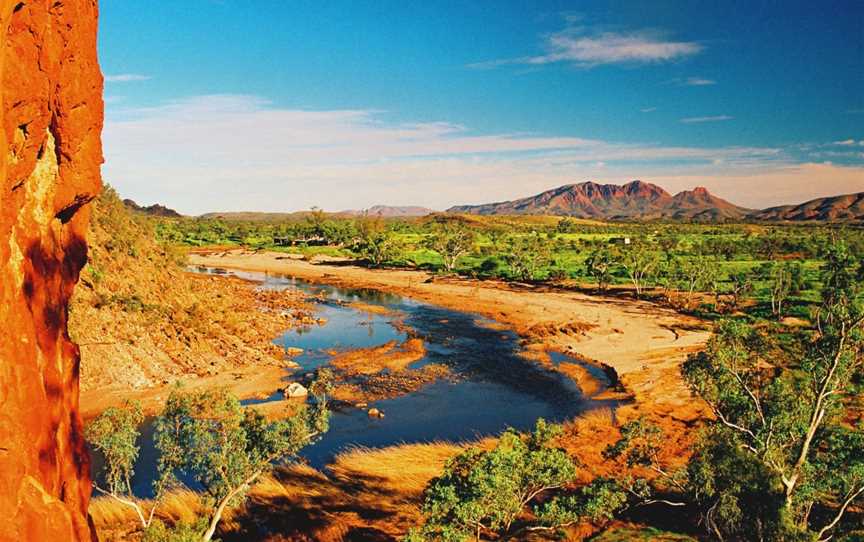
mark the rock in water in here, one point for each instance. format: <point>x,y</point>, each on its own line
<point>51,113</point>
<point>296,389</point>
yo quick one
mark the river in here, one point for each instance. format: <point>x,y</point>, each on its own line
<point>494,387</point>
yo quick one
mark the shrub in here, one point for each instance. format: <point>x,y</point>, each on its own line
<point>485,492</point>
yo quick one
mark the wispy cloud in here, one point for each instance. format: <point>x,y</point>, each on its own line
<point>850,143</point>
<point>698,82</point>
<point>648,110</point>
<point>245,153</point>
<point>714,118</point>
<point>587,47</point>
<point>126,78</point>
<point>853,155</point>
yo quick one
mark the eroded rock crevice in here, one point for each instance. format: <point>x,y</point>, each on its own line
<point>51,116</point>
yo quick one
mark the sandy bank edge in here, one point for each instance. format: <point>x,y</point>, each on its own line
<point>642,342</point>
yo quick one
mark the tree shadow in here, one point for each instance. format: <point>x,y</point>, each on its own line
<point>310,505</point>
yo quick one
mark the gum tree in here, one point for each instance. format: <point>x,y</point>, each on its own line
<point>485,493</point>
<point>599,265</point>
<point>782,458</point>
<point>785,426</point>
<point>640,262</point>
<point>226,448</point>
<point>527,255</point>
<point>693,274</point>
<point>374,242</point>
<point>451,241</point>
<point>784,280</point>
<point>209,437</point>
<point>114,434</point>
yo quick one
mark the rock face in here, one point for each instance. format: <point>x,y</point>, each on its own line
<point>636,200</point>
<point>51,115</point>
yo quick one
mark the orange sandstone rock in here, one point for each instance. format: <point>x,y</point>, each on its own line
<point>50,128</point>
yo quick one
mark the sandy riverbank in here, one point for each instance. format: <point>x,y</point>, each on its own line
<point>245,382</point>
<point>642,342</point>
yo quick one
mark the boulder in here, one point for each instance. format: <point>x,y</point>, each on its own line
<point>296,389</point>
<point>375,413</point>
<point>292,351</point>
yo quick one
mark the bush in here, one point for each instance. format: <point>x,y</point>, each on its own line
<point>485,492</point>
<point>182,531</point>
<point>210,438</point>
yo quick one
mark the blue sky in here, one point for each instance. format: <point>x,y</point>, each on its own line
<point>230,105</point>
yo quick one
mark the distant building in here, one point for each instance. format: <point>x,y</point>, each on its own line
<point>619,240</point>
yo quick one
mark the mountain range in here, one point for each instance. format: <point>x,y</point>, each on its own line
<point>845,207</point>
<point>391,211</point>
<point>636,200</point>
<point>639,200</point>
<point>383,211</point>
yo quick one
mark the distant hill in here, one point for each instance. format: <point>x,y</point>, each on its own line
<point>636,200</point>
<point>385,211</point>
<point>392,211</point>
<point>255,216</point>
<point>153,210</point>
<point>845,207</point>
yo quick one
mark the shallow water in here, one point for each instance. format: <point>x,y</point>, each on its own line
<point>494,388</point>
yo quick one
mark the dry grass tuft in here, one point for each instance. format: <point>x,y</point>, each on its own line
<point>367,494</point>
<point>405,469</point>
<point>115,521</point>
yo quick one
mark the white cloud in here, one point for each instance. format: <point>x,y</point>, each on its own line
<point>648,110</point>
<point>233,152</point>
<point>698,82</point>
<point>586,47</point>
<point>696,120</point>
<point>613,48</point>
<point>126,78</point>
<point>850,143</point>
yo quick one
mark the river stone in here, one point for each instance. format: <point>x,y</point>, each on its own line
<point>296,389</point>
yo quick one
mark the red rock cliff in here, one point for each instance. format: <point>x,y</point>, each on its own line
<point>51,119</point>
